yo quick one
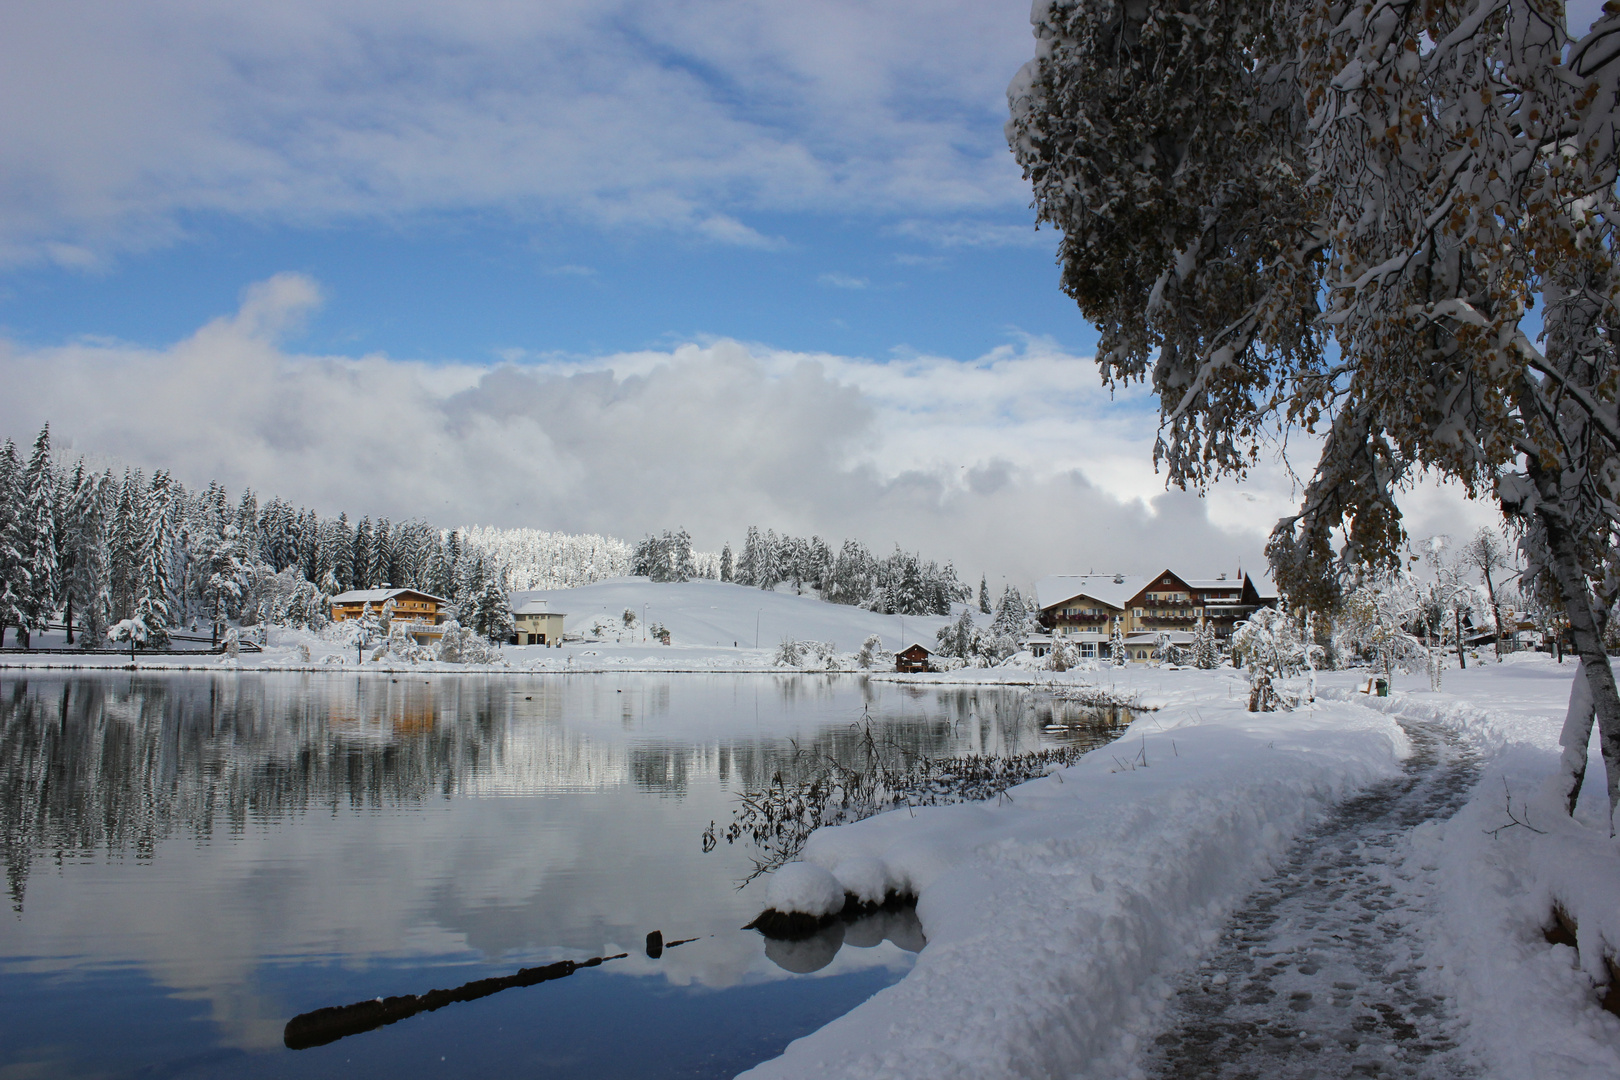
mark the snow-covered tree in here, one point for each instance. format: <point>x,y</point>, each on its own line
<point>36,537</point>
<point>15,578</point>
<point>871,651</point>
<point>1490,557</point>
<point>1205,653</point>
<point>1240,182</point>
<point>155,599</point>
<point>984,597</point>
<point>1012,618</point>
<point>960,638</point>
<point>85,579</point>
<point>725,563</point>
<point>1116,644</point>
<point>1272,648</point>
<point>487,610</point>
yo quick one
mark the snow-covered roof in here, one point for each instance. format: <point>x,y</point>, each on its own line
<point>1201,584</point>
<point>381,596</point>
<point>1115,590</point>
<point>916,645</point>
<point>534,607</point>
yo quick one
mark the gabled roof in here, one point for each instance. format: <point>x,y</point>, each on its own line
<point>1263,587</point>
<point>1115,590</point>
<point>534,607</point>
<point>381,596</point>
<point>916,645</point>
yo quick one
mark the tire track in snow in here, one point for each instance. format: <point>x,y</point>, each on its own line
<point>1319,974</point>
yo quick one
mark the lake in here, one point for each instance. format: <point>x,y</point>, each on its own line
<point>192,860</point>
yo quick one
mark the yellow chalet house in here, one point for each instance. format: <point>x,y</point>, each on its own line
<point>1083,608</point>
<point>534,623</point>
<point>415,614</point>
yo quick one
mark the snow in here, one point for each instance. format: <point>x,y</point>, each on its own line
<point>1066,923</point>
<point>716,614</point>
<point>712,628</point>
<point>804,888</point>
<point>1056,918</point>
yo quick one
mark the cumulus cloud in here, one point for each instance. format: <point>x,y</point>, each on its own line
<point>678,114</point>
<point>1016,462</point>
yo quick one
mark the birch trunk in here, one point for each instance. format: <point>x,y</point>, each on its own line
<point>1594,665</point>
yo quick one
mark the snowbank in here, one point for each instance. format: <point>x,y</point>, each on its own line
<point>1057,917</point>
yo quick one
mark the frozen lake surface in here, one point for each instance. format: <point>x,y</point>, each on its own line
<point>192,860</point>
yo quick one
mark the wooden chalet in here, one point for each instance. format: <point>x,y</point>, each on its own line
<point>412,613</point>
<point>912,658</point>
<point>1085,608</point>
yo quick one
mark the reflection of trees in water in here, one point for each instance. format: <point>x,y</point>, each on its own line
<point>916,722</point>
<point>119,765</point>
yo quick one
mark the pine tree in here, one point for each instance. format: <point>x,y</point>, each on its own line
<point>1205,653</point>
<point>37,537</point>
<point>1116,644</point>
<point>124,545</point>
<point>85,548</point>
<point>984,597</point>
<point>154,604</point>
<point>748,567</point>
<point>14,574</point>
<point>725,562</point>
<point>494,611</point>
<point>380,559</point>
<point>360,556</point>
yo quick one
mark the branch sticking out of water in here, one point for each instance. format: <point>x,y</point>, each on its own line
<point>322,1026</point>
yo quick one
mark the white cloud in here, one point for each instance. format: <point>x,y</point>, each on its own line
<point>1017,461</point>
<point>121,120</point>
<point>968,233</point>
<point>843,281</point>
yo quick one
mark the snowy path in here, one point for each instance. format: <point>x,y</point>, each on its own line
<point>1320,972</point>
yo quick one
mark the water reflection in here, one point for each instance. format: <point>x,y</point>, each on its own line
<point>256,844</point>
<point>801,956</point>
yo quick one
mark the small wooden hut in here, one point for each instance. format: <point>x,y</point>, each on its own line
<point>912,658</point>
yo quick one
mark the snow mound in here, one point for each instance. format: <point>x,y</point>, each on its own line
<point>805,889</point>
<point>867,879</point>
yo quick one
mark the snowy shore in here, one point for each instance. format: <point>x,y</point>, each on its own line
<point>1061,921</point>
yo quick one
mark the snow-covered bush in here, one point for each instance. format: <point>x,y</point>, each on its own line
<point>871,652</point>
<point>1271,646</point>
<point>129,632</point>
<point>1062,657</point>
<point>789,653</point>
<point>460,645</point>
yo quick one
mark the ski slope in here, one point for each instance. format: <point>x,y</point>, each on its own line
<point>718,614</point>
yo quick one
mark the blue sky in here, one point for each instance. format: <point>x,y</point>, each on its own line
<point>617,265</point>
<point>477,287</point>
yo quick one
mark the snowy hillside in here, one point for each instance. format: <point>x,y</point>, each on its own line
<point>714,613</point>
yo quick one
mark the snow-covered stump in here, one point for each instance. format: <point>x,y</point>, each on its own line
<point>803,898</point>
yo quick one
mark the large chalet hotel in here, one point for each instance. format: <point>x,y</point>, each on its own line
<point>1083,608</point>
